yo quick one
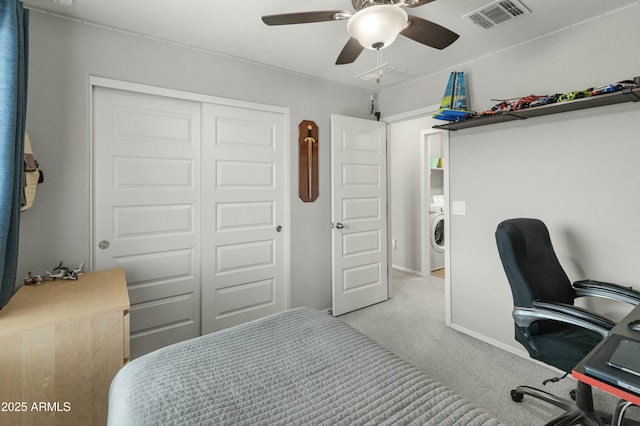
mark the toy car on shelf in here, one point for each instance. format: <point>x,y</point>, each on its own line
<point>552,99</point>
<point>526,101</point>
<point>513,104</point>
<point>578,94</point>
<point>504,105</point>
<point>610,88</point>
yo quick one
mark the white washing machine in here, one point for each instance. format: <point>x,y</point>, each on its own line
<point>436,232</point>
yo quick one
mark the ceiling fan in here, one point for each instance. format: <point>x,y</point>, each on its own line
<point>374,25</point>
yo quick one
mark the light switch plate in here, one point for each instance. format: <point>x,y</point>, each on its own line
<point>458,208</point>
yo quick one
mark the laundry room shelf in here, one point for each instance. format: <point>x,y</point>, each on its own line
<point>625,95</point>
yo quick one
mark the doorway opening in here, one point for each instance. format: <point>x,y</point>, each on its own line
<point>434,219</point>
<point>410,177</point>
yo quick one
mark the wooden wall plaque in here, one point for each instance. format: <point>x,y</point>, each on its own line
<point>307,161</point>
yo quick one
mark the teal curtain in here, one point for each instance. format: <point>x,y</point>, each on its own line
<point>14,53</point>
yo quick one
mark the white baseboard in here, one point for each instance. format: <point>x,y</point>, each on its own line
<point>518,352</point>
<point>410,271</point>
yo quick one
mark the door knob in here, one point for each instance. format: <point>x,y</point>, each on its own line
<point>104,244</point>
<point>339,225</point>
<point>279,228</point>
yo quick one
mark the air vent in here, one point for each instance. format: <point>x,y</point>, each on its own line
<point>497,12</point>
<point>390,75</point>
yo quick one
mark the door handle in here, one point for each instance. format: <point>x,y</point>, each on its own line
<point>104,244</point>
<point>279,228</point>
<point>339,225</point>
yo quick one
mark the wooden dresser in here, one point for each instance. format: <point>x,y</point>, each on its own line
<point>61,344</point>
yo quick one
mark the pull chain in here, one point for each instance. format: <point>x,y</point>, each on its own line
<point>378,67</point>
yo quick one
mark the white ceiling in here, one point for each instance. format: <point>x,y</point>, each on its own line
<point>235,28</point>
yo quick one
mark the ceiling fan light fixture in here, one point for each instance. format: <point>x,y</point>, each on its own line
<point>376,27</point>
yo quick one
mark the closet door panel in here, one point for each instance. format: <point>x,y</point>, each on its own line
<point>146,209</point>
<point>244,243</point>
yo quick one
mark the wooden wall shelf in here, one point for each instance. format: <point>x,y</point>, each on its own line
<point>625,95</point>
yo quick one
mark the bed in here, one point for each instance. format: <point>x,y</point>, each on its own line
<point>301,366</point>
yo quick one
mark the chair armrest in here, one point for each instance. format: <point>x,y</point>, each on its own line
<point>606,290</point>
<point>561,312</point>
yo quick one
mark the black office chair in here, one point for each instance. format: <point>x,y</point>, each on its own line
<point>547,323</point>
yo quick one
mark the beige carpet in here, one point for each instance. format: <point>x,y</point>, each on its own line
<point>411,324</point>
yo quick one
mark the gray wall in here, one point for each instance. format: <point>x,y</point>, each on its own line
<point>577,171</point>
<point>63,54</point>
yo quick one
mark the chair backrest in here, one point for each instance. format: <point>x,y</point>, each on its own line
<point>531,264</point>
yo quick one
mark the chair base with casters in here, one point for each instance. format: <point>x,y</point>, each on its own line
<point>578,412</point>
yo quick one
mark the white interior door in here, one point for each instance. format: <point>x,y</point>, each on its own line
<point>359,213</point>
<point>146,204</point>
<point>244,239</point>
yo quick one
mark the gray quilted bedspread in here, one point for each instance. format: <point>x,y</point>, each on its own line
<point>297,367</point>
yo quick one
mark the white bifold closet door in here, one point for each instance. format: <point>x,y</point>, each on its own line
<point>243,253</point>
<point>187,198</point>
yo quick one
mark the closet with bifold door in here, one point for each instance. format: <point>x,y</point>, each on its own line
<point>190,198</point>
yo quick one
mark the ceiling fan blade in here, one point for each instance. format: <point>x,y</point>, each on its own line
<point>429,33</point>
<point>350,52</point>
<point>306,17</point>
<point>416,3</point>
